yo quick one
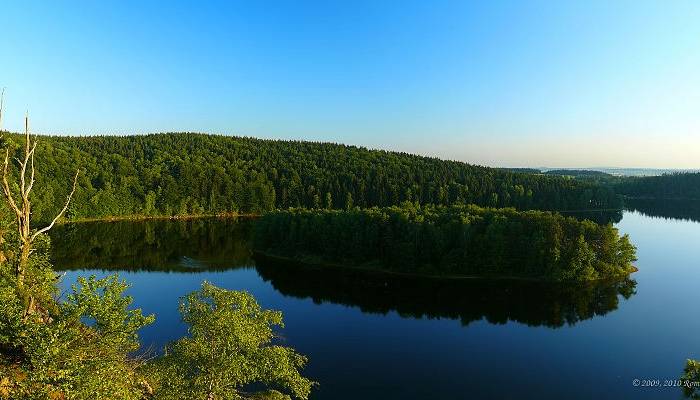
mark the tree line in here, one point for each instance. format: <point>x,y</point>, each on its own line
<point>450,241</point>
<point>187,173</point>
<point>676,186</point>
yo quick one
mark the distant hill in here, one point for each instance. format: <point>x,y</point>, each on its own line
<point>523,170</point>
<point>623,172</point>
<point>189,173</point>
<point>578,173</point>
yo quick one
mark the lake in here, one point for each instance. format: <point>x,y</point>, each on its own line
<point>372,338</point>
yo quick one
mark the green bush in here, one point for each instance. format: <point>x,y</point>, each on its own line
<point>691,379</point>
<point>229,346</point>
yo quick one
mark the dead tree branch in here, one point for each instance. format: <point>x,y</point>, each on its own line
<point>63,210</point>
<point>23,211</point>
<point>2,105</point>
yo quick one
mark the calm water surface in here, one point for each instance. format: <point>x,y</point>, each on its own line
<point>370,338</point>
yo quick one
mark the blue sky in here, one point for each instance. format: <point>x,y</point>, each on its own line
<point>502,83</point>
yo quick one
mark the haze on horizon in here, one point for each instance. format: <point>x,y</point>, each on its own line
<point>539,83</point>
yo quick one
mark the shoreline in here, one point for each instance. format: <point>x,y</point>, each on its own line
<point>625,197</point>
<point>339,267</point>
<point>137,218</point>
<point>229,215</point>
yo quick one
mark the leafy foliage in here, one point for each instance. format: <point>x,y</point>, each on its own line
<point>229,347</point>
<point>453,241</point>
<point>60,356</point>
<point>691,376</point>
<point>84,347</point>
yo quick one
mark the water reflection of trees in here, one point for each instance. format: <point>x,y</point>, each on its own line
<point>666,208</point>
<point>599,217</point>
<point>210,244</point>
<point>182,245</point>
<point>530,303</point>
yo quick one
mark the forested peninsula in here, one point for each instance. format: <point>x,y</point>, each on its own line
<point>449,241</point>
<point>187,173</point>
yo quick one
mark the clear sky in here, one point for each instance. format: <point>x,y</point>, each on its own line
<point>519,83</point>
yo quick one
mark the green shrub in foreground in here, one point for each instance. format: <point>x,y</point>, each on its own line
<point>691,379</point>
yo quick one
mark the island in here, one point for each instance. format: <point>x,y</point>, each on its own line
<point>458,241</point>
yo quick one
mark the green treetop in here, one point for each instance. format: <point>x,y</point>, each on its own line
<point>229,346</point>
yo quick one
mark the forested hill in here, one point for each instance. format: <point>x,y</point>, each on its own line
<point>187,173</point>
<point>680,186</point>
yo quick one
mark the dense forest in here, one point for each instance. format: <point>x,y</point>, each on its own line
<point>449,241</point>
<point>187,173</point>
<point>684,186</point>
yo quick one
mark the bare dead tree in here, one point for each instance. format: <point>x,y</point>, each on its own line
<point>23,211</point>
<point>3,258</point>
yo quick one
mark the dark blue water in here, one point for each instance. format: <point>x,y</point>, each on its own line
<point>411,340</point>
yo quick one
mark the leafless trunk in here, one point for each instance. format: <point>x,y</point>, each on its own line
<point>3,258</point>
<point>22,265</point>
<point>23,211</point>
